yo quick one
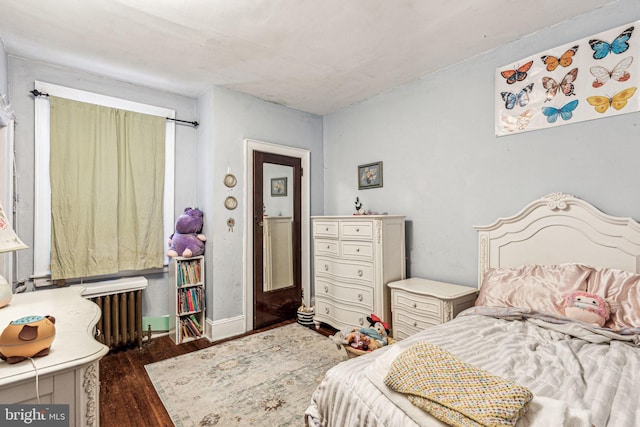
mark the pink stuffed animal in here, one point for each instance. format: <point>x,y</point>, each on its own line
<point>587,307</point>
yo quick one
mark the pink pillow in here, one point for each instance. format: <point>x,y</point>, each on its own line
<point>539,287</point>
<point>622,290</point>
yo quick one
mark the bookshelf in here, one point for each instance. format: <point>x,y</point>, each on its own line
<point>187,305</point>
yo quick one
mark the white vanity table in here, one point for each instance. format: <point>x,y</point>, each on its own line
<point>69,373</point>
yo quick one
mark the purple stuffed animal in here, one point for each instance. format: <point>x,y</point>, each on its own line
<point>187,241</point>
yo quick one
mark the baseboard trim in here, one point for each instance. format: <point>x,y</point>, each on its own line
<point>225,328</point>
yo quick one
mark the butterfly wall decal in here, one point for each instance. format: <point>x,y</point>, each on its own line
<point>618,101</point>
<point>619,45</point>
<point>565,60</point>
<point>565,112</point>
<point>521,98</point>
<point>517,74</point>
<point>565,85</point>
<point>514,123</point>
<point>619,73</point>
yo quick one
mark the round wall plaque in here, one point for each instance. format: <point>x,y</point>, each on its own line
<point>230,203</point>
<point>230,180</point>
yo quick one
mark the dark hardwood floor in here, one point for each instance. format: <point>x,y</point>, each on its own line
<point>127,397</point>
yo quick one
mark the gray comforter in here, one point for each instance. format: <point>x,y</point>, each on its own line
<point>579,375</point>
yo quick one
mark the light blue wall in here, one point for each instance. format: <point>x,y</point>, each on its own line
<point>4,70</point>
<point>445,169</point>
<point>231,117</point>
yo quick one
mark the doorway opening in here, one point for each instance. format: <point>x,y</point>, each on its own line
<point>277,274</point>
<point>277,287</point>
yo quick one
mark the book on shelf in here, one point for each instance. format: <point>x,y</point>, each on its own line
<point>189,272</point>
<point>190,327</point>
<point>194,320</point>
<point>191,299</point>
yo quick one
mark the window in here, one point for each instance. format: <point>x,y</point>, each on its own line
<point>42,226</point>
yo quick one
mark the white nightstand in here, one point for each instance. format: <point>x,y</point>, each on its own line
<point>417,304</point>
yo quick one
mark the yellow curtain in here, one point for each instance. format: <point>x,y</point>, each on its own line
<point>107,185</point>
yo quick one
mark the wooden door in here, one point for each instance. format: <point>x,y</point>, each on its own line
<point>277,273</point>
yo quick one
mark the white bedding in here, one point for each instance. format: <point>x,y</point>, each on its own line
<point>575,382</point>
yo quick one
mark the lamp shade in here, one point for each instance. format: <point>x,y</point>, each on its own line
<point>9,241</point>
<point>6,292</point>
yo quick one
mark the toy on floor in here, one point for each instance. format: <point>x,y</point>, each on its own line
<point>366,339</point>
<point>27,337</point>
<point>187,241</point>
<point>587,307</point>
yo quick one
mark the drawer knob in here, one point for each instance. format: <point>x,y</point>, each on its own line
<point>415,305</point>
<point>415,324</point>
<point>361,321</point>
<point>360,297</point>
<point>327,229</point>
<point>326,289</point>
<point>358,250</point>
<point>358,230</point>
<point>328,246</point>
<point>326,310</point>
<point>326,267</point>
<point>360,272</point>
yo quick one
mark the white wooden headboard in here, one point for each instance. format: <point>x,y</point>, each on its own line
<point>559,228</point>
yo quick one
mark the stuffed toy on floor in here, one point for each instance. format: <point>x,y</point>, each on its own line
<point>365,338</point>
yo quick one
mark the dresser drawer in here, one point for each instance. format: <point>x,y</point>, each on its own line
<point>357,230</point>
<point>349,293</point>
<point>344,270</point>
<point>357,250</point>
<point>420,305</point>
<point>339,315</point>
<point>326,229</point>
<point>326,247</point>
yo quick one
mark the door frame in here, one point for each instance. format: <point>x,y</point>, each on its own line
<point>251,145</point>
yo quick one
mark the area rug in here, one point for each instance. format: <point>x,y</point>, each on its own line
<point>264,379</point>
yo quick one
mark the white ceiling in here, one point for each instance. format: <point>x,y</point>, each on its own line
<point>312,55</point>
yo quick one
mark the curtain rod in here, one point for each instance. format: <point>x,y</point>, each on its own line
<point>36,92</point>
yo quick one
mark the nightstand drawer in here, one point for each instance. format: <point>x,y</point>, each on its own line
<point>410,324</point>
<point>356,230</point>
<point>326,229</point>
<point>417,322</point>
<point>359,250</point>
<point>349,293</point>
<point>420,305</point>
<point>344,270</point>
<point>326,247</point>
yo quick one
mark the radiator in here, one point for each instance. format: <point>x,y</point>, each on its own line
<point>121,303</point>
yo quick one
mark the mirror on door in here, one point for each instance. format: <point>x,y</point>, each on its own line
<point>277,218</point>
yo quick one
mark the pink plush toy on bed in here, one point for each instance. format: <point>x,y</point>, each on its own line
<point>587,307</point>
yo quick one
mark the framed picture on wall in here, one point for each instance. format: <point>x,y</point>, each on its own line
<point>279,186</point>
<point>370,176</point>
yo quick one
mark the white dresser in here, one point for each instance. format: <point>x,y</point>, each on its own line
<point>69,373</point>
<point>354,258</point>
<point>420,303</point>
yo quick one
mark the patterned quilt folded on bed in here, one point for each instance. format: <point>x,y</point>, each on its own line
<point>456,392</point>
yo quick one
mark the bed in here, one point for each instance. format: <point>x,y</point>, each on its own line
<point>577,374</point>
